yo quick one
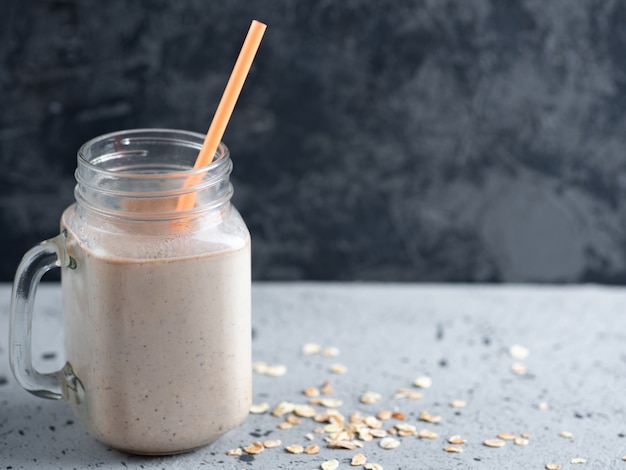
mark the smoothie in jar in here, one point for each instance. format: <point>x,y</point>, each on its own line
<point>156,340</point>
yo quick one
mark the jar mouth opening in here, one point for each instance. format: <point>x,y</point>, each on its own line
<point>126,155</point>
<point>145,172</point>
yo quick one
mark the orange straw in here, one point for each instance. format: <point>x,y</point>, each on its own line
<point>224,109</point>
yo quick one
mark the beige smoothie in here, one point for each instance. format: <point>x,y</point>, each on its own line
<point>154,333</point>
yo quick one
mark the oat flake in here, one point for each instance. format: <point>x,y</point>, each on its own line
<point>260,408</point>
<point>423,382</point>
<point>312,449</point>
<point>456,439</point>
<point>370,397</point>
<point>389,443</point>
<point>521,441</point>
<point>494,443</point>
<point>338,369</point>
<point>358,459</point>
<point>426,434</point>
<point>271,443</point>
<point>311,348</point>
<point>295,449</point>
<point>518,352</point>
<point>330,464</point>
<point>255,448</point>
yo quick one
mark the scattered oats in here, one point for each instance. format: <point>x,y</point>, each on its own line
<point>566,434</point>
<point>525,435</point>
<point>291,419</point>
<point>271,443</point>
<point>260,408</point>
<point>311,392</point>
<point>340,436</point>
<point>304,411</point>
<point>338,369</point>
<point>318,431</point>
<point>236,451</point>
<point>312,449</point>
<point>425,416</point>
<point>309,436</point>
<point>330,464</point>
<point>426,434</point>
<point>494,443</point>
<point>458,403</point>
<point>423,382</point>
<point>358,459</point>
<point>277,370</point>
<point>392,431</point>
<point>356,418</point>
<point>455,449</point>
<point>255,448</point>
<point>521,441</point>
<point>335,415</point>
<point>321,418</point>
<point>370,397</point>
<point>330,402</point>
<point>407,393</point>
<point>542,406</point>
<point>365,434</point>
<point>506,436</point>
<point>311,348</point>
<point>624,458</point>
<point>373,422</point>
<point>553,466</point>
<point>283,408</point>
<point>578,460</point>
<point>383,415</point>
<point>295,449</point>
<point>372,466</point>
<point>518,368</point>
<point>333,427</point>
<point>518,352</point>
<point>398,415</point>
<point>406,427</point>
<point>389,443</point>
<point>326,388</point>
<point>378,432</point>
<point>260,367</point>
<point>330,351</point>
<point>350,445</point>
<point>284,425</point>
<point>456,439</point>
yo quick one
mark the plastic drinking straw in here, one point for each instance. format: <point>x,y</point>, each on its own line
<point>224,108</point>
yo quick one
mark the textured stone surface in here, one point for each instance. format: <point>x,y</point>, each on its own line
<point>387,336</point>
<point>414,140</point>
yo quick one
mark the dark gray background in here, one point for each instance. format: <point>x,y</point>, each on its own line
<point>467,140</point>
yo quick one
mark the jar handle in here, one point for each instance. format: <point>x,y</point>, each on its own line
<point>59,385</point>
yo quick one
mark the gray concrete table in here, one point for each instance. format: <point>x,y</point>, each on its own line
<point>387,336</point>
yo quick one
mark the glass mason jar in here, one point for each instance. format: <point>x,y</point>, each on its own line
<point>156,296</point>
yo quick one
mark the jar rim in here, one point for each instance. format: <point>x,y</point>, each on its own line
<point>144,173</point>
<point>123,137</point>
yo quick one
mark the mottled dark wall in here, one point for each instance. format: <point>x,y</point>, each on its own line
<point>467,140</point>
